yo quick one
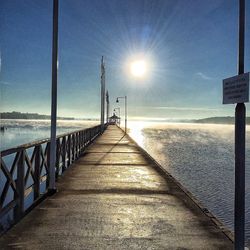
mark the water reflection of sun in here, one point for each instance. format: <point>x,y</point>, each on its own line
<point>136,132</point>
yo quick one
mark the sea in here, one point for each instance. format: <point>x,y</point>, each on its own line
<point>199,156</point>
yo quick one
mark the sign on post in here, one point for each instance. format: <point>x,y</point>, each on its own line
<point>236,89</point>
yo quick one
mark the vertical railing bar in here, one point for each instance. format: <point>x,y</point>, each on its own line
<point>79,144</point>
<point>89,135</point>
<point>80,134</point>
<point>19,195</point>
<point>63,153</point>
<point>37,171</point>
<point>57,157</point>
<point>84,141</point>
<point>74,144</point>
<point>69,150</point>
<point>48,164</point>
<point>73,147</point>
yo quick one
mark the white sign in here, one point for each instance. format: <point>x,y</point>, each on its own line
<point>236,89</point>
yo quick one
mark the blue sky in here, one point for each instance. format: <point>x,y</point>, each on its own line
<point>190,46</point>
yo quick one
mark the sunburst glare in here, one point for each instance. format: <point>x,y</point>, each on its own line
<point>138,68</point>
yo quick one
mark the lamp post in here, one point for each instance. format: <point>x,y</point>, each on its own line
<point>119,114</point>
<point>117,100</point>
<point>52,162</point>
<point>107,101</point>
<point>102,93</point>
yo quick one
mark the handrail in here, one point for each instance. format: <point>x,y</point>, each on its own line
<point>25,170</point>
<point>34,143</point>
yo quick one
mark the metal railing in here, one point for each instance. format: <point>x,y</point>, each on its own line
<point>24,172</point>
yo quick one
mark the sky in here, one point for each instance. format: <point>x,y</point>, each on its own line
<point>189,46</point>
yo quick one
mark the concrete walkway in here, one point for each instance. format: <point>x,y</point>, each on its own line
<point>113,197</point>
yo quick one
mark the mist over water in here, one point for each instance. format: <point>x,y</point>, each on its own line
<point>23,131</point>
<point>201,157</point>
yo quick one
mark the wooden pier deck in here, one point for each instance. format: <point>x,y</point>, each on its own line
<point>115,197</point>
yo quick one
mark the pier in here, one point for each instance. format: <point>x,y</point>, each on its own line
<point>112,196</point>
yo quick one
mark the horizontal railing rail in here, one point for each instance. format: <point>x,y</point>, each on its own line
<point>24,172</point>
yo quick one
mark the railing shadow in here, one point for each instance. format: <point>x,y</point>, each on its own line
<point>106,153</point>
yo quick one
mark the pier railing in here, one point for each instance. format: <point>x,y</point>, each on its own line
<point>24,172</point>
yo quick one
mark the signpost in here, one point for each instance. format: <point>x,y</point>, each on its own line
<point>236,90</point>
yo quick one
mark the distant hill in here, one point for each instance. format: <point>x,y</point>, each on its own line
<point>35,116</point>
<point>220,120</point>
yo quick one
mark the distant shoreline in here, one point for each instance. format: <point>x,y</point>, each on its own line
<point>34,116</point>
<point>220,120</point>
<point>227,120</point>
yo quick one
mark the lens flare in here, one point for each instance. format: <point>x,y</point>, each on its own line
<point>138,68</point>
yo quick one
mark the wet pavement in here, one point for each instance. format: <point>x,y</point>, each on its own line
<point>116,197</point>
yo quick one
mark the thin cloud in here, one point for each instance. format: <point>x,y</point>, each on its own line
<point>203,76</point>
<point>186,108</point>
<point>5,83</point>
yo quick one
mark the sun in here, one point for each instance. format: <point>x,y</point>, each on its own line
<point>138,68</point>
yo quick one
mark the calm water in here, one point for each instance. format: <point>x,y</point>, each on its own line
<point>200,156</point>
<point>23,131</point>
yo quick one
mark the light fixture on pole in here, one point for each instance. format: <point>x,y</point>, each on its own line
<point>117,100</point>
<point>119,114</point>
